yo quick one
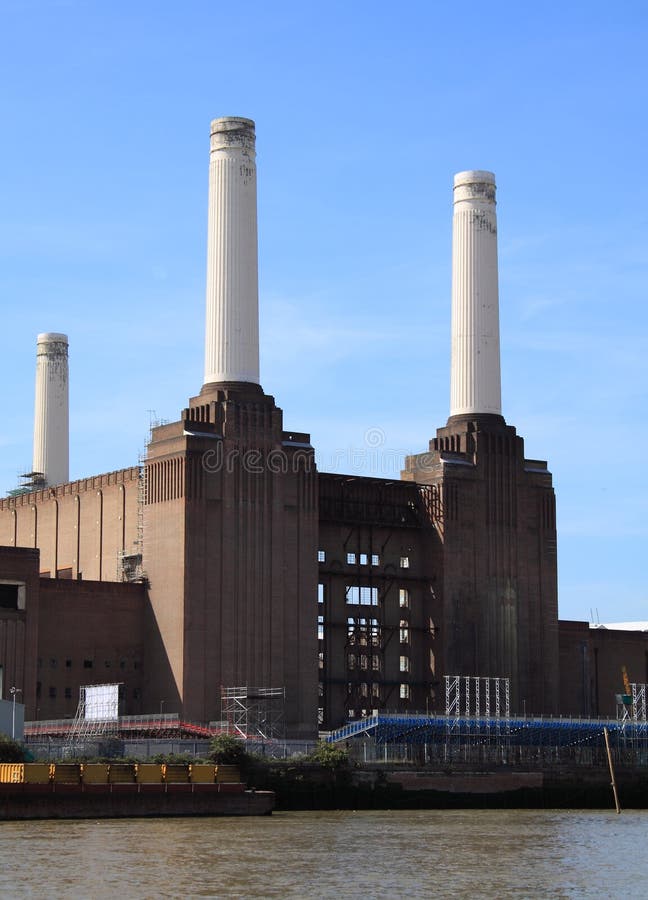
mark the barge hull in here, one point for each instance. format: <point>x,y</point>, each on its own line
<point>112,801</point>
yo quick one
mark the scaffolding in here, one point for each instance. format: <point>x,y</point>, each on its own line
<point>33,481</point>
<point>639,701</point>
<point>478,710</point>
<point>631,717</point>
<point>476,696</point>
<point>255,713</point>
<point>527,741</point>
<point>130,564</point>
<point>631,707</point>
<point>97,715</point>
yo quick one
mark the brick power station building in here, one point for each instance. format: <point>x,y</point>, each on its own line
<point>227,559</point>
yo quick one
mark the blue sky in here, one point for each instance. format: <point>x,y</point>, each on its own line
<point>364,112</point>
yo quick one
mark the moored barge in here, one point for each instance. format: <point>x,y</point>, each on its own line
<point>124,790</point>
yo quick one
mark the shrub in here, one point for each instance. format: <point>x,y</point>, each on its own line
<point>182,759</point>
<point>329,756</point>
<point>227,750</point>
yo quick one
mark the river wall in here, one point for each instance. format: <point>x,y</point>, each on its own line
<point>309,786</point>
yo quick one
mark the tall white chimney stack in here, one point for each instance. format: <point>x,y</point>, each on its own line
<point>232,327</point>
<point>51,415</point>
<point>475,386</point>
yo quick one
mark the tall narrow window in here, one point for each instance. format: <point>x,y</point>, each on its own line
<point>352,594</point>
<point>369,596</point>
<point>403,598</point>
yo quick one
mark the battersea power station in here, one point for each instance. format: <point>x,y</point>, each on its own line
<point>226,559</point>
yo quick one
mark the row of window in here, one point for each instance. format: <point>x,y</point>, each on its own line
<point>362,596</point>
<point>363,713</point>
<point>67,692</point>
<point>363,631</point>
<point>87,664</point>
<point>366,689</point>
<point>364,662</point>
<point>366,596</point>
<point>363,559</point>
<point>359,630</point>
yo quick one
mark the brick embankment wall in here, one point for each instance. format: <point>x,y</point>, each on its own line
<point>308,786</point>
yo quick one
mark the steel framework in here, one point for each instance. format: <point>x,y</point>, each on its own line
<point>639,701</point>
<point>476,696</point>
<point>97,714</point>
<point>254,712</point>
<point>529,741</point>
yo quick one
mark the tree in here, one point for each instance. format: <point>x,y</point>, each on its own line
<point>328,756</point>
<point>225,749</point>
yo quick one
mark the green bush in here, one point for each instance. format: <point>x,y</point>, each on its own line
<point>329,756</point>
<point>176,759</point>
<point>226,750</point>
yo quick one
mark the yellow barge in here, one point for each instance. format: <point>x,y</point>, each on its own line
<point>124,790</point>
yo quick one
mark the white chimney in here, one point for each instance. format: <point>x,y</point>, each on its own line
<point>232,327</point>
<point>475,368</point>
<point>51,416</point>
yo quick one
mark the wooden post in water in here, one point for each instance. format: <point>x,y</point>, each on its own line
<point>609,756</point>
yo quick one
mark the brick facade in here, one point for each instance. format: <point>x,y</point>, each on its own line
<point>352,593</point>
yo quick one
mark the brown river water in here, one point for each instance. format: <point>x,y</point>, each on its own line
<point>368,854</point>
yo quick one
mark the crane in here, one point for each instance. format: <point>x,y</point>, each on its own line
<point>626,697</point>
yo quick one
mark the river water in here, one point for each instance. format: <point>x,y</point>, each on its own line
<point>368,854</point>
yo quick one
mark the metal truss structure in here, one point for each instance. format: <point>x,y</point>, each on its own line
<point>529,740</point>
<point>632,707</point>
<point>255,713</point>
<point>477,696</point>
<point>97,714</point>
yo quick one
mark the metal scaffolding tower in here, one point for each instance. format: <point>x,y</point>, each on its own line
<point>477,696</point>
<point>254,712</point>
<point>638,701</point>
<point>129,564</point>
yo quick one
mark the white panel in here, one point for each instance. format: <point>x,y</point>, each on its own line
<point>102,701</point>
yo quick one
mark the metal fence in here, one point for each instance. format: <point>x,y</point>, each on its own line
<point>146,748</point>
